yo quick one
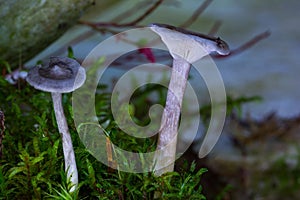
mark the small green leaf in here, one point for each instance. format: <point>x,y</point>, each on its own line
<point>37,159</point>
<point>70,52</point>
<point>6,65</point>
<point>91,172</point>
<point>16,170</point>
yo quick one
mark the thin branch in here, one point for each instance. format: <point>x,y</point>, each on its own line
<point>105,24</point>
<point>214,29</point>
<point>196,14</point>
<point>130,11</point>
<point>148,12</point>
<point>128,24</point>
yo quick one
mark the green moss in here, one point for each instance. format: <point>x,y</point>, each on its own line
<point>32,163</point>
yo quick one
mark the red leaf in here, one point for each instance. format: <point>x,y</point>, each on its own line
<point>148,53</point>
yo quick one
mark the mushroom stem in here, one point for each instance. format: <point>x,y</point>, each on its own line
<point>170,119</point>
<point>69,156</point>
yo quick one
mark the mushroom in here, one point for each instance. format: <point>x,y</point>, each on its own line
<point>62,75</point>
<point>185,47</point>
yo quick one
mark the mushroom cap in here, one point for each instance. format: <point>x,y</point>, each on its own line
<point>62,75</point>
<point>189,45</point>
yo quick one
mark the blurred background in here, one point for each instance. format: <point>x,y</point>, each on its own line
<point>269,69</point>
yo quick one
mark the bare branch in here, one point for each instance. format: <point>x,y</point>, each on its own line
<point>130,11</point>
<point>196,14</point>
<point>150,10</point>
<point>128,24</point>
<point>214,29</point>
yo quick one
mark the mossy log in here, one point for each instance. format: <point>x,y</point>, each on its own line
<point>29,26</point>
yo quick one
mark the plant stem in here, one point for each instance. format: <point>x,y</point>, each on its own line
<point>69,156</point>
<point>170,119</point>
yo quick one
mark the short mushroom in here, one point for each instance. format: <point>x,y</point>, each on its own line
<point>62,75</point>
<point>185,47</point>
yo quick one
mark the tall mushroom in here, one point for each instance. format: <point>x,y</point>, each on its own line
<point>185,47</point>
<point>62,75</point>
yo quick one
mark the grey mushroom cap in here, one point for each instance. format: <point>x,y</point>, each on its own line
<point>188,44</point>
<point>62,75</point>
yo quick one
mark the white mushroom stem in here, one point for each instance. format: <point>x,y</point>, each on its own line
<point>69,156</point>
<point>170,119</point>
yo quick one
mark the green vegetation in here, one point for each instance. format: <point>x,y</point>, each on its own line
<point>31,166</point>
